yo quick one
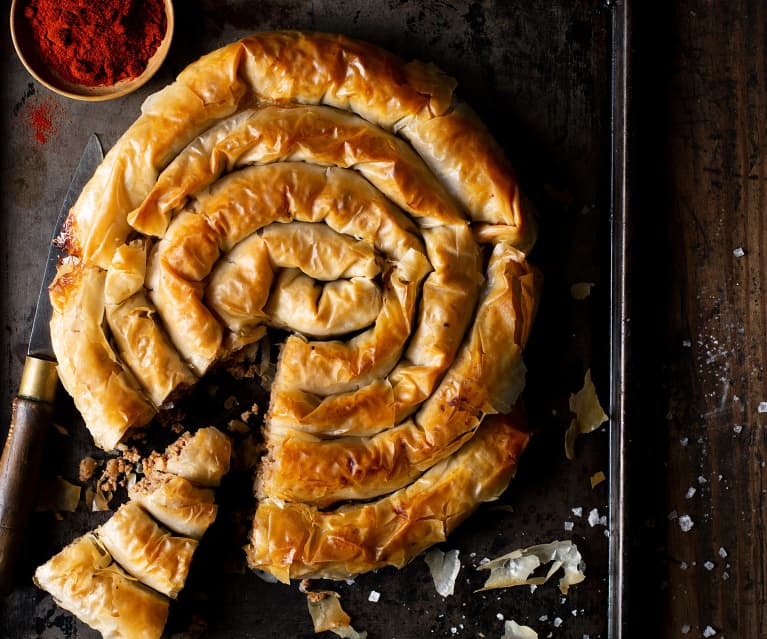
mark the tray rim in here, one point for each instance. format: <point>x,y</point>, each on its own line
<point>620,82</point>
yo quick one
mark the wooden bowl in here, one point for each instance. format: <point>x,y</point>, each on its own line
<point>30,56</point>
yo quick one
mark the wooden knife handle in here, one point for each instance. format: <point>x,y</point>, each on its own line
<point>19,475</point>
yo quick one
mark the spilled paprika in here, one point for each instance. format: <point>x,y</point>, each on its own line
<point>97,42</point>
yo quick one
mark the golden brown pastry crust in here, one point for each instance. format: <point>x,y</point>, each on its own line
<point>176,503</point>
<point>108,577</point>
<point>84,580</point>
<point>485,378</point>
<point>297,540</point>
<point>202,459</point>
<point>143,344</point>
<point>288,160</point>
<point>105,392</point>
<point>153,555</point>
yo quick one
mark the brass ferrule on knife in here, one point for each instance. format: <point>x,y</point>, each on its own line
<point>39,380</point>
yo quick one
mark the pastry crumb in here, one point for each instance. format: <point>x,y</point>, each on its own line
<point>115,473</point>
<point>597,478</point>
<point>581,290</point>
<point>88,467</point>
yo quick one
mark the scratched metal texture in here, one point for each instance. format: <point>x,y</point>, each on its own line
<point>538,74</point>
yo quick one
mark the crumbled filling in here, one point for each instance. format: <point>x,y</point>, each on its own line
<point>88,467</point>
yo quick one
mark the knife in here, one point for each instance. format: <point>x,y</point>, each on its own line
<point>32,409</point>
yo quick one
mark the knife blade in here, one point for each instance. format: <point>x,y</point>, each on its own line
<point>32,409</point>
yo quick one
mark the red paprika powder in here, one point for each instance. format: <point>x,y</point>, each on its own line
<point>97,42</point>
<point>40,117</point>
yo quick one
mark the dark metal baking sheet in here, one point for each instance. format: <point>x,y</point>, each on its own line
<point>540,75</point>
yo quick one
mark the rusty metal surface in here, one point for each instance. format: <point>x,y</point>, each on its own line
<point>538,74</point>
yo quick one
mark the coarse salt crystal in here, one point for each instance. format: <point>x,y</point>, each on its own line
<point>672,515</point>
<point>686,628</point>
<point>374,596</point>
<point>690,493</point>
<point>593,517</point>
<point>569,526</point>
<point>686,523</point>
<point>702,480</point>
<point>737,428</point>
<point>722,552</point>
<point>762,407</point>
<point>683,565</point>
<point>557,622</point>
<point>543,618</point>
<point>709,631</point>
<point>499,616</point>
<point>709,565</point>
<point>686,343</point>
<point>684,441</point>
<point>738,252</point>
<point>577,511</point>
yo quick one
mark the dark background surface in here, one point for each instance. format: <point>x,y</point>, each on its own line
<point>539,76</point>
<point>699,319</point>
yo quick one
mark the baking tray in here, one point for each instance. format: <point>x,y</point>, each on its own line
<point>550,81</point>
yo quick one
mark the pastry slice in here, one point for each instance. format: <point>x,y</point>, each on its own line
<point>89,578</point>
<point>202,458</point>
<point>84,580</point>
<point>146,550</point>
<point>176,503</point>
